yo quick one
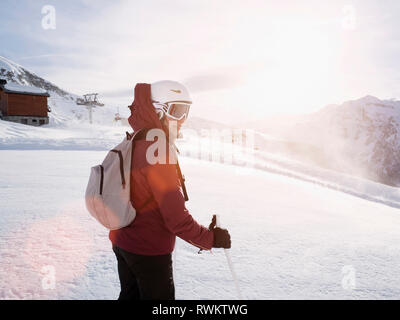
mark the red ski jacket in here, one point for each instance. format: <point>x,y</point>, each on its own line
<point>156,195</point>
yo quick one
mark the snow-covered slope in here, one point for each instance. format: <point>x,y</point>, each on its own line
<point>290,239</point>
<point>69,126</point>
<point>64,109</point>
<point>15,73</point>
<point>366,133</point>
<point>360,137</point>
<point>198,124</point>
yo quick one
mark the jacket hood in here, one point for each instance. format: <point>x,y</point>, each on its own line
<point>143,114</point>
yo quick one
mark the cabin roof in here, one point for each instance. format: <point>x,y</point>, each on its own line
<point>19,89</point>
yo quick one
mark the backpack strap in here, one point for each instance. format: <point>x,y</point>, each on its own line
<point>140,134</point>
<point>121,166</point>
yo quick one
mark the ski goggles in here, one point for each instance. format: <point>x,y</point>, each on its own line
<point>176,110</point>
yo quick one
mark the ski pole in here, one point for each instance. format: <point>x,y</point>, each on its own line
<point>230,264</point>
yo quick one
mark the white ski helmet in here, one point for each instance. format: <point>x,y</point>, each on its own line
<point>169,91</point>
<point>171,98</point>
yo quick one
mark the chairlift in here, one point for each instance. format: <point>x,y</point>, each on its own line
<point>89,99</point>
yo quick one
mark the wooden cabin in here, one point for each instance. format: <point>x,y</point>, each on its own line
<point>23,104</point>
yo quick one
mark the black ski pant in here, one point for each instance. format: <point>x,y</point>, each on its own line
<point>144,277</point>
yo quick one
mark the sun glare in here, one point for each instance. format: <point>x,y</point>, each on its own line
<point>299,69</point>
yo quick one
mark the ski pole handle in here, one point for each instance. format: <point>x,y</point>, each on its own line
<point>217,221</point>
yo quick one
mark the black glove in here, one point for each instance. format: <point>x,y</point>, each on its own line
<point>222,238</point>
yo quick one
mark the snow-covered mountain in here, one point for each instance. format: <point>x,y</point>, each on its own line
<point>68,127</point>
<point>15,73</point>
<point>66,113</point>
<point>298,231</point>
<point>360,137</point>
<point>366,132</point>
<point>64,109</point>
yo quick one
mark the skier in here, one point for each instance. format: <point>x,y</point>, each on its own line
<point>143,249</point>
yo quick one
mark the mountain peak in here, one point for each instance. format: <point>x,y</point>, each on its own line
<point>7,65</point>
<point>14,73</point>
<point>368,99</point>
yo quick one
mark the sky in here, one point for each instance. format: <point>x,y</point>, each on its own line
<point>241,60</point>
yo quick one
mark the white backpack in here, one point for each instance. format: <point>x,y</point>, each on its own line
<point>108,190</point>
<point>108,197</point>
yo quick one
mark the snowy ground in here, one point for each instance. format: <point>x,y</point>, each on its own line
<point>292,239</point>
<point>74,135</point>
